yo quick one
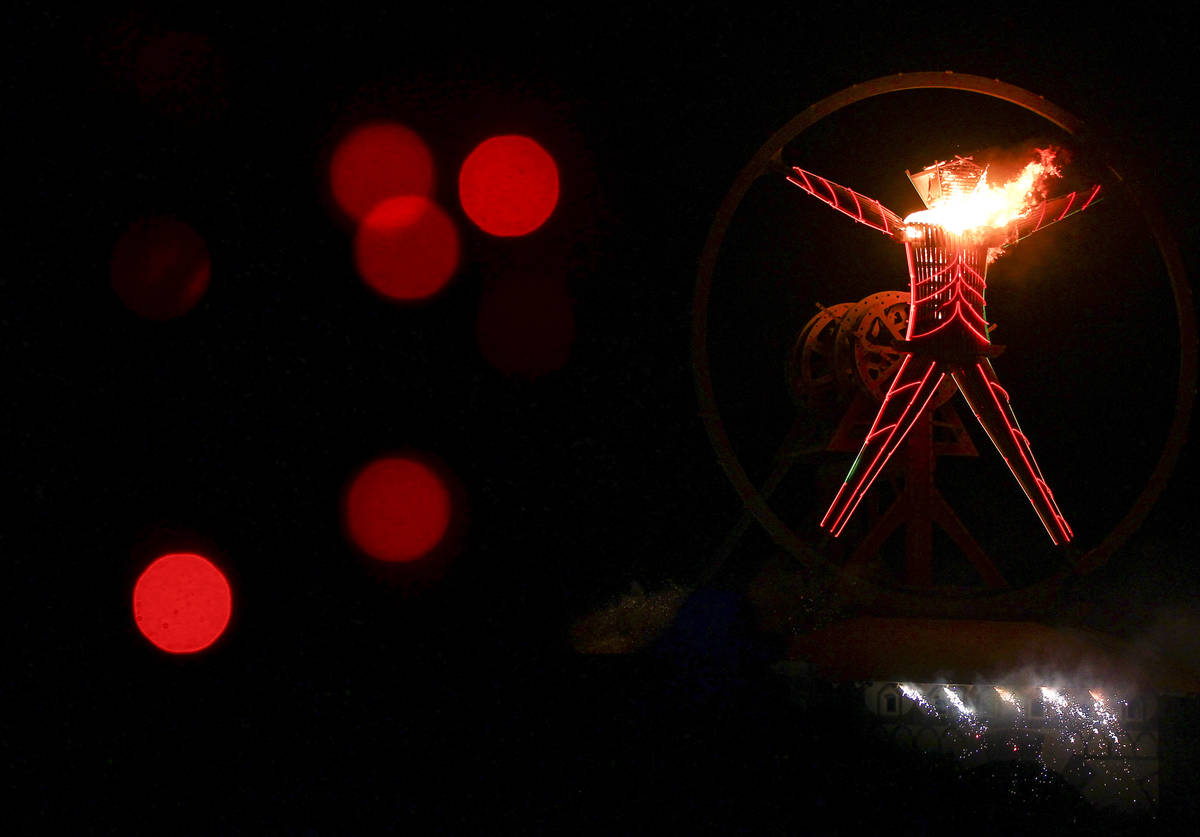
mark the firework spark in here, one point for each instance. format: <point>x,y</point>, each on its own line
<point>1106,717</point>
<point>1008,697</point>
<point>966,715</point>
<point>1053,698</point>
<point>1073,723</point>
<point>956,701</point>
<point>914,694</point>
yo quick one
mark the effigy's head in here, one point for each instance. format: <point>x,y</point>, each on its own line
<point>960,199</point>
<point>944,180</point>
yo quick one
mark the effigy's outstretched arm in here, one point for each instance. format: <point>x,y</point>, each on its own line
<point>1049,212</point>
<point>989,402</point>
<point>858,206</point>
<point>907,398</point>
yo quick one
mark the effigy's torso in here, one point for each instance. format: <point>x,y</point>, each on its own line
<point>947,280</point>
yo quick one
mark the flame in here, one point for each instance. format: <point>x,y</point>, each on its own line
<point>989,206</point>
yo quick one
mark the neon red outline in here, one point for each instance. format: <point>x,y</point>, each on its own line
<point>1068,207</point>
<point>834,201</point>
<point>950,257</point>
<point>832,193</point>
<point>872,431</point>
<point>868,479</point>
<point>1031,468</point>
<point>868,474</point>
<point>954,290</point>
<point>957,318</point>
<point>957,283</point>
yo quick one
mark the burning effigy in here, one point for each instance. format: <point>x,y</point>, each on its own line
<point>967,223</point>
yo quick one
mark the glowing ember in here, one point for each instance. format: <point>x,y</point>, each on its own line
<point>986,206</point>
<point>1107,718</point>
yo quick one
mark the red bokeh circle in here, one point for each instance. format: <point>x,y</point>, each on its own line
<point>397,509</point>
<point>406,248</point>
<point>182,603</point>
<point>377,161</point>
<point>160,268</point>
<point>508,185</point>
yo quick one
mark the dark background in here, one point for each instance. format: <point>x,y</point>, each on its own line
<point>343,699</point>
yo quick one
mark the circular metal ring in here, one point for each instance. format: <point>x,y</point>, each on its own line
<point>1012,599</point>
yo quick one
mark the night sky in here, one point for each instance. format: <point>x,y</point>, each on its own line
<point>348,696</point>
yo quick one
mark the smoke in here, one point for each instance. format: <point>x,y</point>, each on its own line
<point>630,622</point>
<point>1169,646</point>
<point>1004,163</point>
<point>789,597</point>
<point>1076,677</point>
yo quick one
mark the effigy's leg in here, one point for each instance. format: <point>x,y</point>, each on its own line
<point>908,396</point>
<point>990,404</point>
